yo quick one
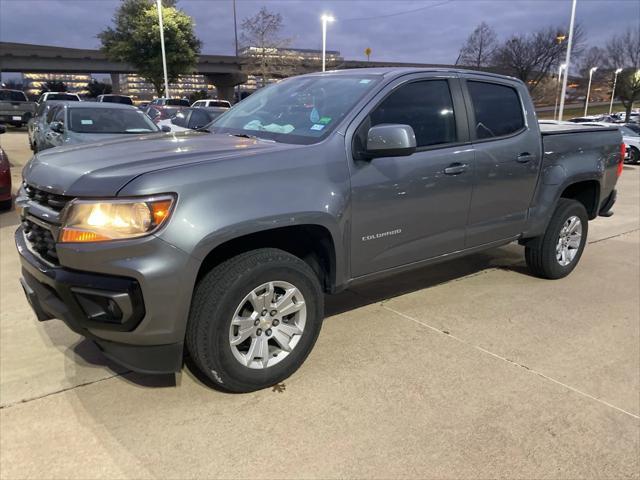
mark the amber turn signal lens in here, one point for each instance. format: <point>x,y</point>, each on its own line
<point>71,235</point>
<point>160,211</point>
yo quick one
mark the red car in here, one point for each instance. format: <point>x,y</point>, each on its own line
<point>5,178</point>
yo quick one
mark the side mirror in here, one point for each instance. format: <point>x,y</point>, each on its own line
<point>390,140</point>
<point>165,128</point>
<point>57,127</point>
<point>3,128</point>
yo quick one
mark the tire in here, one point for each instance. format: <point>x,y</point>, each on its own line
<point>6,205</point>
<point>634,156</point>
<point>541,253</point>
<point>219,297</point>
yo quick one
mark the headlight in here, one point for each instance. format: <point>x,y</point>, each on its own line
<point>104,220</point>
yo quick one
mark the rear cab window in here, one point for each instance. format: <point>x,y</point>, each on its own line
<point>497,110</point>
<point>12,96</point>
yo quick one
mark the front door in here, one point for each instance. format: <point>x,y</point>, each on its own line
<point>411,208</point>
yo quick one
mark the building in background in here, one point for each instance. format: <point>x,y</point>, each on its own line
<point>137,87</point>
<point>32,83</point>
<point>282,63</point>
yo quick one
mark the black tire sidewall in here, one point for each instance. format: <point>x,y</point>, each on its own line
<point>566,209</point>
<point>220,364</point>
<point>634,156</point>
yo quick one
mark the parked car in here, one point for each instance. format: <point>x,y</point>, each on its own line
<point>84,122</point>
<point>192,118</point>
<point>5,177</point>
<point>226,242</point>
<point>212,103</point>
<point>631,138</point>
<point>37,124</point>
<point>15,107</point>
<point>170,102</point>
<point>112,98</point>
<point>143,105</point>
<point>161,112</point>
<point>63,96</point>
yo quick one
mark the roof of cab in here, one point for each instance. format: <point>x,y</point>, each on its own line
<point>399,71</point>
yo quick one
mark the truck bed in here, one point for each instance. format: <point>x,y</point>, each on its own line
<point>564,128</point>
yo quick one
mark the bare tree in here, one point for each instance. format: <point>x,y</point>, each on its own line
<point>479,48</point>
<point>623,51</point>
<point>531,57</point>
<point>261,44</point>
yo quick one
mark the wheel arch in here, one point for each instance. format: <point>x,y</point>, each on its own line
<point>312,242</point>
<point>586,192</point>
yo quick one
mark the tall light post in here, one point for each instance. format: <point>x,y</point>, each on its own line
<point>555,107</point>
<point>613,91</point>
<point>567,60</point>
<point>325,19</point>
<point>164,55</point>
<point>586,100</point>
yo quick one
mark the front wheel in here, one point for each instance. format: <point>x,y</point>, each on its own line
<point>254,319</point>
<point>634,156</point>
<point>557,252</point>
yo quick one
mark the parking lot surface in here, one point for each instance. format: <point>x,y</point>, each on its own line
<point>468,369</point>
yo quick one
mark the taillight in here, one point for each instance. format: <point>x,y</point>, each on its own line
<point>623,151</point>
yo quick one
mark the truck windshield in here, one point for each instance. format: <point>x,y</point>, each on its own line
<point>109,120</point>
<point>299,110</point>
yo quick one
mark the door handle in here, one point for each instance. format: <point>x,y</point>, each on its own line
<point>455,169</point>
<point>524,157</point>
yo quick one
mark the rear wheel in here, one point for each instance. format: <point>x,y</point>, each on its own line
<point>558,251</point>
<point>254,319</point>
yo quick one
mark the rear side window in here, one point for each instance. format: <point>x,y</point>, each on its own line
<point>426,106</point>
<point>497,109</point>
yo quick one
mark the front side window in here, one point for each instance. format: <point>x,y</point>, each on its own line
<point>425,106</point>
<point>497,109</point>
<point>109,120</point>
<point>198,119</point>
<point>299,110</point>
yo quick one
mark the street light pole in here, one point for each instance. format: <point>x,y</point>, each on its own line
<point>586,100</point>
<point>235,32</point>
<point>164,55</point>
<point>567,60</point>
<point>325,19</point>
<point>555,107</point>
<point>613,92</point>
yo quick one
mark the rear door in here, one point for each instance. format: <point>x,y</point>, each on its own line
<point>410,208</point>
<point>507,148</point>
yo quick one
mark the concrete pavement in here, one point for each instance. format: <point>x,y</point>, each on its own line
<point>468,369</point>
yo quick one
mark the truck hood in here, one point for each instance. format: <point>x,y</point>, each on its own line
<point>102,169</point>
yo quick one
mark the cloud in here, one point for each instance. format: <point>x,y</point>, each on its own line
<point>432,34</point>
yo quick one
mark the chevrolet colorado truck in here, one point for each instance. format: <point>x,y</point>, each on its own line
<point>220,244</point>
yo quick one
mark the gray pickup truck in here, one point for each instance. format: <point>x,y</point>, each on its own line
<point>15,107</point>
<point>220,243</point>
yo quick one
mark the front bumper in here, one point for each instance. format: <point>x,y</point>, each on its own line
<point>120,312</point>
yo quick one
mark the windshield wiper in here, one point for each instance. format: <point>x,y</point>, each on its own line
<point>253,137</point>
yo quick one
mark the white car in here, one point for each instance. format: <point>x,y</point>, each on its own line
<point>211,103</point>
<point>61,96</point>
<point>630,137</point>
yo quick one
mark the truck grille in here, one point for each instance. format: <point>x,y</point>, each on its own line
<point>41,240</point>
<point>52,200</point>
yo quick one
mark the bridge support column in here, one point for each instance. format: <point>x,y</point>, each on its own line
<point>115,82</point>
<point>225,82</point>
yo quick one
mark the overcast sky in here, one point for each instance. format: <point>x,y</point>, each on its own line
<point>425,31</point>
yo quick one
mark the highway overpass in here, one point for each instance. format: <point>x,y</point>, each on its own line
<point>223,71</point>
